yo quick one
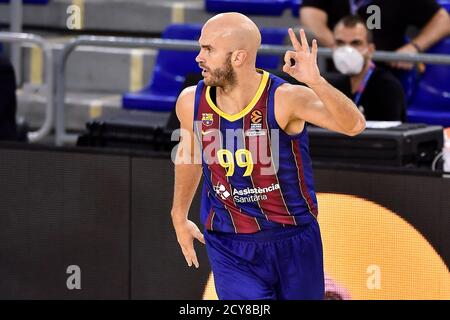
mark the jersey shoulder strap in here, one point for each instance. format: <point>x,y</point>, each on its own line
<point>198,95</point>
<point>275,82</point>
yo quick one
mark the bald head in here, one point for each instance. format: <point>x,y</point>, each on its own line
<point>235,31</point>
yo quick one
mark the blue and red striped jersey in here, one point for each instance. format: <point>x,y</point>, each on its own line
<point>255,175</point>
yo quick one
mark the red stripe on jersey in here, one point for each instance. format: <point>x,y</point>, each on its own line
<point>302,184</point>
<point>274,206</point>
<point>242,222</point>
<point>208,223</point>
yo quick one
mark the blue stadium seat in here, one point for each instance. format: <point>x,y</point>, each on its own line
<point>431,100</point>
<point>445,4</point>
<point>29,1</point>
<point>169,73</point>
<point>408,78</point>
<point>171,68</point>
<point>295,7</point>
<point>256,7</point>
<point>271,36</point>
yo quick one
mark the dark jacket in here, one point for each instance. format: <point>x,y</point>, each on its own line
<point>8,102</point>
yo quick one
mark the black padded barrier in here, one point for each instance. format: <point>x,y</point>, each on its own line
<point>108,212</point>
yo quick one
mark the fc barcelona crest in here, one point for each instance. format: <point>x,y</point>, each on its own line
<point>207,119</point>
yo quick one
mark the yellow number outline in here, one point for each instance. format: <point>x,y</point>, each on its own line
<point>226,160</point>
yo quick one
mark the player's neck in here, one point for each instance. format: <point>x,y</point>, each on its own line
<point>234,99</point>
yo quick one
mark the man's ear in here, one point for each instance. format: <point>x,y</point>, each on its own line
<point>238,57</point>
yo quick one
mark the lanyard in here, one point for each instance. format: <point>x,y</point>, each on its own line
<point>355,5</point>
<point>363,84</point>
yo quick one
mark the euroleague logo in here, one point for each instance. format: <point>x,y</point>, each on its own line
<point>256,116</point>
<point>256,124</point>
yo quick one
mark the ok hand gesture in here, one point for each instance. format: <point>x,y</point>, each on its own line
<point>305,68</point>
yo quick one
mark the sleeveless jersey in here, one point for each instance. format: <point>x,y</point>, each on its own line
<point>255,175</point>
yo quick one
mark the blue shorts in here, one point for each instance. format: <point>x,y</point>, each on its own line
<point>282,264</point>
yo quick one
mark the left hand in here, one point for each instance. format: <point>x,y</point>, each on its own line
<point>305,68</point>
<point>409,49</point>
<point>186,232</point>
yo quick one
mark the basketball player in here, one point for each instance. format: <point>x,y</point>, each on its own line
<point>258,202</point>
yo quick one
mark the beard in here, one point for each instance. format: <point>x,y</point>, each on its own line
<point>223,76</point>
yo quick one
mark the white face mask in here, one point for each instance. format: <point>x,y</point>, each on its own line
<point>348,60</point>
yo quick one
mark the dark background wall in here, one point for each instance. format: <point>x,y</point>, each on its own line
<point>109,214</point>
<point>59,209</point>
<point>159,270</point>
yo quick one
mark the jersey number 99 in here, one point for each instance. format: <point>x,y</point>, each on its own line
<point>243,160</point>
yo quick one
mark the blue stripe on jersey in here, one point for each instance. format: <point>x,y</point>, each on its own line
<point>287,171</point>
<point>307,166</point>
